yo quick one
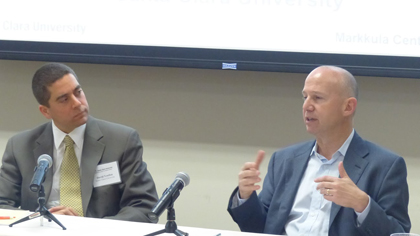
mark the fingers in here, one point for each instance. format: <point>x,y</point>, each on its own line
<point>247,180</point>
<point>247,186</point>
<point>73,212</point>
<point>257,163</point>
<point>260,158</point>
<point>325,178</point>
<point>63,210</point>
<point>342,171</point>
<point>330,182</point>
<point>327,191</point>
<point>325,185</point>
<point>56,208</point>
<point>249,166</point>
<point>249,176</point>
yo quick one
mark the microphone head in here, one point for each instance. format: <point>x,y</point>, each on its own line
<point>184,177</point>
<point>45,157</point>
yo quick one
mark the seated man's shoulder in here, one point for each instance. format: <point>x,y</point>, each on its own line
<point>113,128</point>
<point>376,150</point>
<point>31,134</point>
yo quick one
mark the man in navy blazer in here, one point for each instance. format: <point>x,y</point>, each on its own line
<point>338,184</point>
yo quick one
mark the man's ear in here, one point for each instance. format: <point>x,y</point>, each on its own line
<point>350,106</point>
<point>45,111</point>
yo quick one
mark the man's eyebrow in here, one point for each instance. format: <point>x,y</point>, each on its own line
<point>65,95</point>
<point>61,96</point>
<point>314,92</point>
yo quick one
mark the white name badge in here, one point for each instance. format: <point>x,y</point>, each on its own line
<point>107,174</point>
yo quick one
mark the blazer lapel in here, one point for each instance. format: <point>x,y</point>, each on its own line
<point>45,145</point>
<point>91,156</point>
<point>354,163</point>
<point>298,164</point>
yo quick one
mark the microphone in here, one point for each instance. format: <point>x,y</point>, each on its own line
<point>170,195</point>
<point>44,162</point>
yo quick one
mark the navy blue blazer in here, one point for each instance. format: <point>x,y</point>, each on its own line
<point>375,170</point>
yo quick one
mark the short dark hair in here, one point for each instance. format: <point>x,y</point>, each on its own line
<point>45,77</point>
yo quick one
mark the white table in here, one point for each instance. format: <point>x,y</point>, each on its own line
<point>80,226</point>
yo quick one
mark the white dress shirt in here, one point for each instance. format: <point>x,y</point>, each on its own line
<point>78,137</point>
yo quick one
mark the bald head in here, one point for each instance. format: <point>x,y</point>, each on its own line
<point>344,79</point>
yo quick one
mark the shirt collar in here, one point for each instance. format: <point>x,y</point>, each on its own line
<point>342,150</point>
<point>77,135</point>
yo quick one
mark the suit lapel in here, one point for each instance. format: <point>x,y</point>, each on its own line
<point>45,145</point>
<point>298,164</point>
<point>91,156</point>
<point>354,163</point>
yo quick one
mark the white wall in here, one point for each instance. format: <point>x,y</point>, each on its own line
<point>209,122</point>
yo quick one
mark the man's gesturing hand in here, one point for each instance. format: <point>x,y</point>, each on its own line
<point>249,176</point>
<point>342,191</point>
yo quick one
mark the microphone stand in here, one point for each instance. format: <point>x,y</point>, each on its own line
<point>41,211</point>
<point>170,226</point>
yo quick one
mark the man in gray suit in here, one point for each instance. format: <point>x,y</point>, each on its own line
<point>338,184</point>
<point>114,180</point>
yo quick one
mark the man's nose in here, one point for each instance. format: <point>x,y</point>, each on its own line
<point>75,101</point>
<point>307,105</point>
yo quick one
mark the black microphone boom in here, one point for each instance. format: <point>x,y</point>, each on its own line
<point>170,195</point>
<point>44,162</point>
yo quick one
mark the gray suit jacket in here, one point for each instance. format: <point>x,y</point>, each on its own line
<point>104,142</point>
<point>376,171</point>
